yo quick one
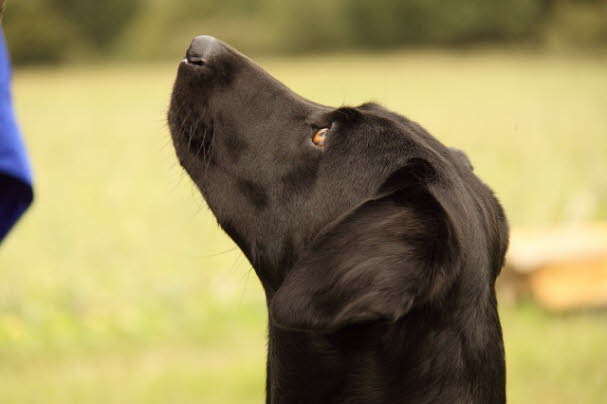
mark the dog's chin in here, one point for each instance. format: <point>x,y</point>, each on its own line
<point>194,157</point>
<point>192,134</point>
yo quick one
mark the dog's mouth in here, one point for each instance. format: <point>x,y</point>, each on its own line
<point>191,128</point>
<point>191,125</point>
<point>192,134</point>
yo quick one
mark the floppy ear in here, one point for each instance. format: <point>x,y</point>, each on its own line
<point>376,262</point>
<point>461,157</point>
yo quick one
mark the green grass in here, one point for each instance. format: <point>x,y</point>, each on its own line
<point>118,287</point>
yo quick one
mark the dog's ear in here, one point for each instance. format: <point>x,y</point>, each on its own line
<point>377,261</point>
<point>461,157</point>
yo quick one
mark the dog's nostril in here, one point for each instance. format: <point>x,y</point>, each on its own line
<point>195,59</point>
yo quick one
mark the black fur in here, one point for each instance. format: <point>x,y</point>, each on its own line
<point>378,252</point>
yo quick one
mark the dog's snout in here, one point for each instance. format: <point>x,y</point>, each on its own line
<point>202,48</point>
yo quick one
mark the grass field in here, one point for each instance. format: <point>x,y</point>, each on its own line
<point>118,287</point>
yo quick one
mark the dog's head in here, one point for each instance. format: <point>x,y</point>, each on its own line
<point>347,214</point>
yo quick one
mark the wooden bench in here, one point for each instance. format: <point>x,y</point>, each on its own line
<point>563,268</point>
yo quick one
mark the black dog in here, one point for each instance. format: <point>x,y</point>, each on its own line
<point>376,245</point>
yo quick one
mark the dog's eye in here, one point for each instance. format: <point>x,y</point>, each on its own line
<point>319,137</point>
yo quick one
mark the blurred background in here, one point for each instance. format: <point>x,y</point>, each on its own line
<point>118,286</point>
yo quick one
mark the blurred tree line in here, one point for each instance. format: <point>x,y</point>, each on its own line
<point>52,31</point>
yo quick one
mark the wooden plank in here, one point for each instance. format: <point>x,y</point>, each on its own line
<point>563,268</point>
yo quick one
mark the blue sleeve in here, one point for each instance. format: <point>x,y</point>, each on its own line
<point>16,191</point>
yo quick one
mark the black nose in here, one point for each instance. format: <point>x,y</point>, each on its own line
<point>201,49</point>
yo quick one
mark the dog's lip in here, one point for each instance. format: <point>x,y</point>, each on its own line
<point>188,69</point>
<point>184,64</point>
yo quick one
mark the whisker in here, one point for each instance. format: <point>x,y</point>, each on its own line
<point>208,153</point>
<point>229,250</point>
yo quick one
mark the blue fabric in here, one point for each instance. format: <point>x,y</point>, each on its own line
<point>16,192</point>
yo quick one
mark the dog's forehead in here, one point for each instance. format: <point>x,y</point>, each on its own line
<point>320,117</point>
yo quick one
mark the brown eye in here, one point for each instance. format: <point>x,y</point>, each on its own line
<point>320,136</point>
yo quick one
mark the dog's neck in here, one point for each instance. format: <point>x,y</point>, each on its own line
<point>351,365</point>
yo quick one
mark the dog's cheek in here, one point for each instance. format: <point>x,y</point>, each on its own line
<point>254,193</point>
<point>299,180</point>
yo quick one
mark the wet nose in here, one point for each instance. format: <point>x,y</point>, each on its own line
<point>202,49</point>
